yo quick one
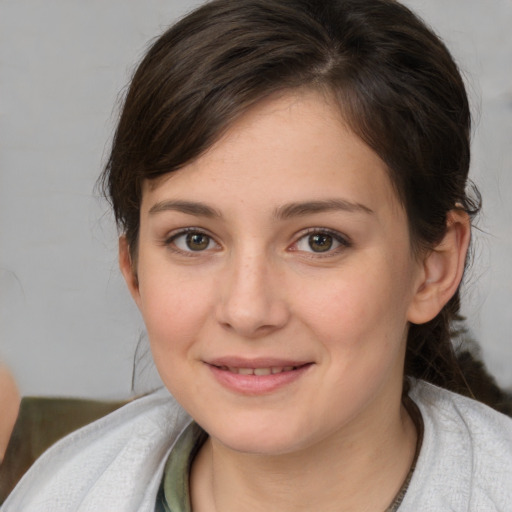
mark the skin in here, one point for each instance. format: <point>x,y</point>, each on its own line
<point>9,405</point>
<point>257,288</point>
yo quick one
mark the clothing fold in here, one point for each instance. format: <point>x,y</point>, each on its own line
<point>117,463</point>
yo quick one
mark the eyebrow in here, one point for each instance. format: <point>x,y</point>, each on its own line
<point>188,207</point>
<point>284,212</point>
<point>310,207</point>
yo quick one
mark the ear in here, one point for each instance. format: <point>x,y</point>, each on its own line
<point>442,270</point>
<point>128,269</point>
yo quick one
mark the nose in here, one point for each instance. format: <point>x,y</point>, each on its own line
<point>251,297</point>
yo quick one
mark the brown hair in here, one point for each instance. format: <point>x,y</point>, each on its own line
<point>396,84</point>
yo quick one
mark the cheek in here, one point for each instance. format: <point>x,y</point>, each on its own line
<point>362,327</point>
<point>174,316</point>
<point>346,299</point>
<point>174,311</point>
<point>359,314</point>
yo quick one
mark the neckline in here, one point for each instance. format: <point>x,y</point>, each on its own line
<point>415,414</point>
<point>174,495</point>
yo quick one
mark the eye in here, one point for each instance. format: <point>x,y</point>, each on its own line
<point>321,241</point>
<point>192,241</point>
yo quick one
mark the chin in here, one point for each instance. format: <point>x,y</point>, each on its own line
<point>266,446</point>
<point>262,439</point>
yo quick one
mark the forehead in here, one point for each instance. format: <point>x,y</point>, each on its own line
<point>291,147</point>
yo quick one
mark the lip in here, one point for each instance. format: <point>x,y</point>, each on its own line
<point>285,372</point>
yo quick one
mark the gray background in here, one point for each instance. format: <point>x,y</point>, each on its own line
<point>67,324</point>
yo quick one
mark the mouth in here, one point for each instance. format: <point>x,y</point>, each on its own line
<point>257,377</point>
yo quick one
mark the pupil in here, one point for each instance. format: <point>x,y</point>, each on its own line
<point>197,241</point>
<point>320,242</point>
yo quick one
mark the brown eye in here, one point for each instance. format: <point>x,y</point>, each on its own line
<point>320,242</point>
<point>197,241</point>
<point>192,241</point>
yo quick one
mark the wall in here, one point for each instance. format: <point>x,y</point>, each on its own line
<point>67,325</point>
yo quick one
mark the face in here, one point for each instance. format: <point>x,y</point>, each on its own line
<point>276,279</point>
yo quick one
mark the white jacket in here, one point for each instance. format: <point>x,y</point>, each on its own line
<point>116,464</point>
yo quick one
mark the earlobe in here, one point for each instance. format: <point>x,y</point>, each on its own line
<point>442,270</point>
<point>128,269</point>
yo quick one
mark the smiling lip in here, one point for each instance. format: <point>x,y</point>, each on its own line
<point>256,376</point>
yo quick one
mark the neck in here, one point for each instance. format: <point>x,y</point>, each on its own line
<point>361,468</point>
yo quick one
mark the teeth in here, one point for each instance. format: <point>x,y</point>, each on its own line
<point>262,371</point>
<point>259,371</point>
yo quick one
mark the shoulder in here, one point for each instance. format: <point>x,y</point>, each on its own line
<point>465,461</point>
<point>115,463</point>
<point>446,408</point>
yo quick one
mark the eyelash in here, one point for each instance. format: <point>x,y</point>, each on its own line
<point>342,240</point>
<point>170,241</point>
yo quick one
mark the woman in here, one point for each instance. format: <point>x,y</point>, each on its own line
<point>290,181</point>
